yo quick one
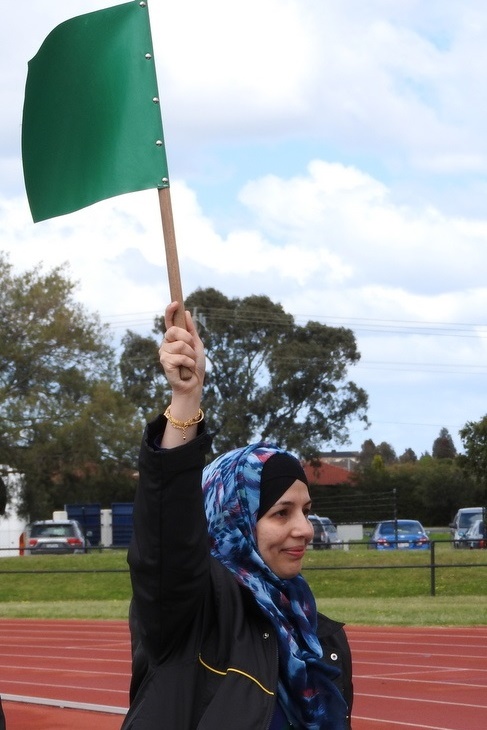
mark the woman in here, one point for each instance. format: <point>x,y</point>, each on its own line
<point>225,632</point>
<point>2,716</point>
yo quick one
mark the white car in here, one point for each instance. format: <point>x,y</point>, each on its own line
<point>464,519</point>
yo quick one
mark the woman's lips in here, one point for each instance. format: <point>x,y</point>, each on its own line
<point>295,552</point>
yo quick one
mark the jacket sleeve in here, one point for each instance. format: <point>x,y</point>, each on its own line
<point>168,555</point>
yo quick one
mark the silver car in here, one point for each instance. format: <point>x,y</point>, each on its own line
<point>54,537</point>
<point>320,538</point>
<point>331,530</point>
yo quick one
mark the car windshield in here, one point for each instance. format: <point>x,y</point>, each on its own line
<point>328,525</point>
<point>468,518</point>
<point>403,528</point>
<point>52,531</point>
<point>317,526</point>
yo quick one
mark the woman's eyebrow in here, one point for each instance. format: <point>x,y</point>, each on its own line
<point>290,502</point>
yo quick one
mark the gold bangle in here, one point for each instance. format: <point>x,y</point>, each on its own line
<point>183,425</point>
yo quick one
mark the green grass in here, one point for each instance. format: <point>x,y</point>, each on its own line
<point>78,610</point>
<point>393,589</point>
<point>418,611</point>
<point>396,573</point>
<point>65,578</point>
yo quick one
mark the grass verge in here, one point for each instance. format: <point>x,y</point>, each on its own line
<point>417,611</point>
<point>359,586</point>
<point>78,610</point>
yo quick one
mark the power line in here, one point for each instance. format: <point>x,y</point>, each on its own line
<point>362,324</point>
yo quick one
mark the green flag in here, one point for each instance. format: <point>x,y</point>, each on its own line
<point>92,125</point>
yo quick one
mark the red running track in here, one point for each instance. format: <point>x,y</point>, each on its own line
<point>423,678</point>
<point>54,675</point>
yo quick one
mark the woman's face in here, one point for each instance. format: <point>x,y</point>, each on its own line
<point>284,531</point>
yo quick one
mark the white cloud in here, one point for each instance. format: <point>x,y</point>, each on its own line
<point>331,235</point>
<point>368,124</point>
<point>352,216</point>
<point>368,75</point>
<point>222,59</point>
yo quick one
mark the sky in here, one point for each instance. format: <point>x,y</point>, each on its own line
<point>330,154</point>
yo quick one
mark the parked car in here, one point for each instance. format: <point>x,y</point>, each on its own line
<point>54,537</point>
<point>320,538</point>
<point>476,537</point>
<point>400,534</point>
<point>331,530</point>
<point>464,518</point>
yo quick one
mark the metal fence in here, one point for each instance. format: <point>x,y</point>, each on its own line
<point>433,564</point>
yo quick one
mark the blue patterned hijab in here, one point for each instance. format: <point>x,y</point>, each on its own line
<point>231,487</point>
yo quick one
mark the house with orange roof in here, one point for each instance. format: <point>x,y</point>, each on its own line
<point>324,474</point>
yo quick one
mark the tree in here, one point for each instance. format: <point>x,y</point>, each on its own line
<point>367,453</point>
<point>370,451</point>
<point>441,487</point>
<point>91,458</point>
<point>269,378</point>
<point>474,461</point>
<point>143,380</point>
<point>428,489</point>
<point>443,446</point>
<point>408,456</point>
<point>61,415</point>
<point>387,453</point>
<point>377,464</point>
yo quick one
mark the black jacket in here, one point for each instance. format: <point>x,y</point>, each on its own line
<point>204,656</point>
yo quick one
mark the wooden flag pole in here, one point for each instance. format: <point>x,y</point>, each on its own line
<point>173,273</point>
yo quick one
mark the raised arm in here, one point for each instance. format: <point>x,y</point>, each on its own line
<point>168,554</point>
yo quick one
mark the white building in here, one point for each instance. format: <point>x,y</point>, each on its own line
<point>11,525</point>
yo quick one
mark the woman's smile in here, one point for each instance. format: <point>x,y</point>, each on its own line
<point>295,552</point>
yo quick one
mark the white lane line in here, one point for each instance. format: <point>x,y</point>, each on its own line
<point>72,687</point>
<point>397,723</point>
<point>428,700</point>
<point>65,704</point>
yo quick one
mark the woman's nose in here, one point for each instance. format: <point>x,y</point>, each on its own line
<point>303,526</point>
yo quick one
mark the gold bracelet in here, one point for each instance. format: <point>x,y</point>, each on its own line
<point>183,425</point>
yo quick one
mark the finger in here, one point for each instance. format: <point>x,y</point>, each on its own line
<point>190,325</point>
<point>177,351</point>
<point>178,334</point>
<point>169,314</point>
<point>177,345</point>
<point>173,363</point>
